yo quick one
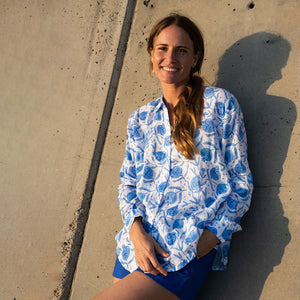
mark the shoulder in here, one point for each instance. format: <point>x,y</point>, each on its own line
<point>217,93</point>
<point>143,113</point>
<point>220,97</point>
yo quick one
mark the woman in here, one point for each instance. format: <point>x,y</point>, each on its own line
<point>185,177</point>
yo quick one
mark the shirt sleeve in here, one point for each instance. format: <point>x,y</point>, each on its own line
<point>130,206</point>
<point>234,150</point>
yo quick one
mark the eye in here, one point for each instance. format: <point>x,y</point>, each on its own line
<point>181,50</point>
<point>162,48</point>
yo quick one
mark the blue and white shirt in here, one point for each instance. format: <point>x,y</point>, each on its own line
<point>178,198</point>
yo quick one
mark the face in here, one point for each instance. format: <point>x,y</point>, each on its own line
<point>173,56</point>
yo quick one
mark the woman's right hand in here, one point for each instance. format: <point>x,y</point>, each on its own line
<point>146,249</point>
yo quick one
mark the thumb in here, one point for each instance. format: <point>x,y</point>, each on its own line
<point>159,250</point>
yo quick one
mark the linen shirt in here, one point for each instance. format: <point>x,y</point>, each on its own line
<point>178,198</point>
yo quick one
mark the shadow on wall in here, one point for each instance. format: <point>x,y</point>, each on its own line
<point>247,69</point>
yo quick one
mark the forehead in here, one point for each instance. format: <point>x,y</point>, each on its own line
<point>174,36</point>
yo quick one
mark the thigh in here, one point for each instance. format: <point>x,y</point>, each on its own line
<point>115,280</point>
<point>136,286</point>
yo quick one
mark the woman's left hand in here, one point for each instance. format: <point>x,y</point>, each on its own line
<point>206,243</point>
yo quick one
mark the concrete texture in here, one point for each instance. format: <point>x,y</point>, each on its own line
<point>246,56</point>
<point>57,59</point>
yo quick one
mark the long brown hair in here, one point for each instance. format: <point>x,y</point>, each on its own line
<point>189,109</point>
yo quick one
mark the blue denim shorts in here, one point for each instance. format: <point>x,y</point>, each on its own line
<point>184,283</point>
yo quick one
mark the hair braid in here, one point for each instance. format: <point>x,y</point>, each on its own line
<point>188,114</point>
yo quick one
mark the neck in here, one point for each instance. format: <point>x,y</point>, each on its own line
<point>171,94</point>
<point>171,98</point>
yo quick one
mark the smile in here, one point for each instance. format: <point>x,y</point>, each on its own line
<point>169,69</point>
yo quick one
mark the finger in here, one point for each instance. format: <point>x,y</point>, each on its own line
<point>148,268</point>
<point>158,266</point>
<point>159,250</point>
<point>151,264</point>
<point>154,272</point>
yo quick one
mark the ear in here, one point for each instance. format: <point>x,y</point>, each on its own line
<point>195,60</point>
<point>151,55</point>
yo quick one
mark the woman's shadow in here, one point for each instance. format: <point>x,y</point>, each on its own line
<point>247,69</point>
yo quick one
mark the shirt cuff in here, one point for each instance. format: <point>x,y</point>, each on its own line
<point>130,218</point>
<point>223,227</point>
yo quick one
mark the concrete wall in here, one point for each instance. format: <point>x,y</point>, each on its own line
<point>53,90</point>
<point>56,61</point>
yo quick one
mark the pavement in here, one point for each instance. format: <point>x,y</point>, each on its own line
<point>68,84</point>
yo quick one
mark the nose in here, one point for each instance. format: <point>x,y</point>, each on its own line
<point>171,55</point>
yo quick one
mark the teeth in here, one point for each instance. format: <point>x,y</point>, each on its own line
<point>169,69</point>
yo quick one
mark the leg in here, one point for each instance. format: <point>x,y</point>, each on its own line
<point>136,286</point>
<point>115,280</point>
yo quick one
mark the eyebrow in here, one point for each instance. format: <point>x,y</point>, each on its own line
<point>175,47</point>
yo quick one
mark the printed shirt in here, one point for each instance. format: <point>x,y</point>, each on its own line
<point>178,198</point>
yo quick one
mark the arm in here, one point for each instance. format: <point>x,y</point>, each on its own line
<point>130,206</point>
<point>133,210</point>
<point>234,150</point>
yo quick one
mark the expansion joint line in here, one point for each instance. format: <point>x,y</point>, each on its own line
<point>95,163</point>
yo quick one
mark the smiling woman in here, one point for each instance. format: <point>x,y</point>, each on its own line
<point>173,57</point>
<point>185,178</point>
<point>176,47</point>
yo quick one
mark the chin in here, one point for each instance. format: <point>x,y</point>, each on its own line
<point>168,79</point>
<point>173,81</point>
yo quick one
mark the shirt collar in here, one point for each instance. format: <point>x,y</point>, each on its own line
<point>160,103</point>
